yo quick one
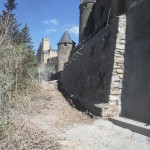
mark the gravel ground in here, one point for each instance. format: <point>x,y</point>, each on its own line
<point>42,119</point>
<point>103,135</point>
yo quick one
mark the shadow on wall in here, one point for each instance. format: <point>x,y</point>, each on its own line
<point>136,88</point>
<point>89,28</point>
<point>87,74</point>
<point>55,76</point>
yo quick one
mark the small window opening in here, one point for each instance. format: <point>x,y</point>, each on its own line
<point>65,44</point>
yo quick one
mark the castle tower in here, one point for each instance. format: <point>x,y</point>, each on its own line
<point>86,18</point>
<point>46,44</point>
<point>45,50</point>
<point>65,46</point>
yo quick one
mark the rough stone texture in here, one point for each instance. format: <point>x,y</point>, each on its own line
<point>136,91</point>
<point>118,68</point>
<point>86,20</point>
<point>110,69</point>
<point>64,50</point>
<point>91,74</point>
<point>96,16</point>
<point>105,11</point>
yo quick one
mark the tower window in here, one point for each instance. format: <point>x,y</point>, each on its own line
<point>85,5</point>
<point>65,44</point>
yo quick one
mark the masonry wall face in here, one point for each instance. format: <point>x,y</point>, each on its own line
<point>88,72</point>
<point>105,10</point>
<point>136,91</point>
<point>63,54</point>
<point>86,20</point>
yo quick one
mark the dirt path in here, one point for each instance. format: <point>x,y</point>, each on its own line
<point>43,119</point>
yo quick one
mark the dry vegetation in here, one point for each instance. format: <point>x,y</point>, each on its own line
<point>36,116</point>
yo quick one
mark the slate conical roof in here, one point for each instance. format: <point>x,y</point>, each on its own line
<point>65,38</point>
<point>87,1</point>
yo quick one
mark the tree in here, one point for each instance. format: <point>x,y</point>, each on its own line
<point>8,23</point>
<point>16,50</point>
<point>10,6</point>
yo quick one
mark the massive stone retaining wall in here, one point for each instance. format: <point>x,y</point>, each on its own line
<point>136,91</point>
<point>94,73</point>
<point>110,74</point>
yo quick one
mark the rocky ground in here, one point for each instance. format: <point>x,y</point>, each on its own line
<point>42,119</point>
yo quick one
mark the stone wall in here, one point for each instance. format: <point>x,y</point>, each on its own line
<point>110,74</point>
<point>86,20</point>
<point>96,16</point>
<point>107,10</point>
<point>118,66</point>
<point>136,91</point>
<point>51,66</point>
<point>94,72</point>
<point>45,51</point>
<point>64,50</point>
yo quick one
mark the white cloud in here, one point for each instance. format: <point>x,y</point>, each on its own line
<point>74,29</point>
<point>50,30</point>
<point>52,21</point>
<point>45,21</point>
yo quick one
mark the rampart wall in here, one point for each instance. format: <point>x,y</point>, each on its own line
<point>94,73</point>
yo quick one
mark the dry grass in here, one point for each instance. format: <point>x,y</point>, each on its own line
<point>23,128</point>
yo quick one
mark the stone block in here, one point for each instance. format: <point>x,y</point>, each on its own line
<point>113,98</point>
<point>115,84</point>
<point>105,112</point>
<point>121,30</point>
<point>119,71</point>
<point>119,60</point>
<point>116,92</point>
<point>115,78</point>
<point>120,46</point>
<point>121,76</point>
<point>121,36</point>
<point>117,67</point>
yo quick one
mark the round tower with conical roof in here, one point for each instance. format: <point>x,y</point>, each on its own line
<point>65,46</point>
<point>86,18</point>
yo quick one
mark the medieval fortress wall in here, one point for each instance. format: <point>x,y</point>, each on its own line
<point>52,61</point>
<point>136,87</point>
<point>93,74</point>
<point>109,71</point>
<point>45,51</point>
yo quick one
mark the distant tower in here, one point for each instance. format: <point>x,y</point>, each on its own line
<point>86,18</point>
<point>46,46</point>
<point>65,46</point>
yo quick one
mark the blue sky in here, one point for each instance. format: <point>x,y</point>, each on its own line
<point>48,18</point>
